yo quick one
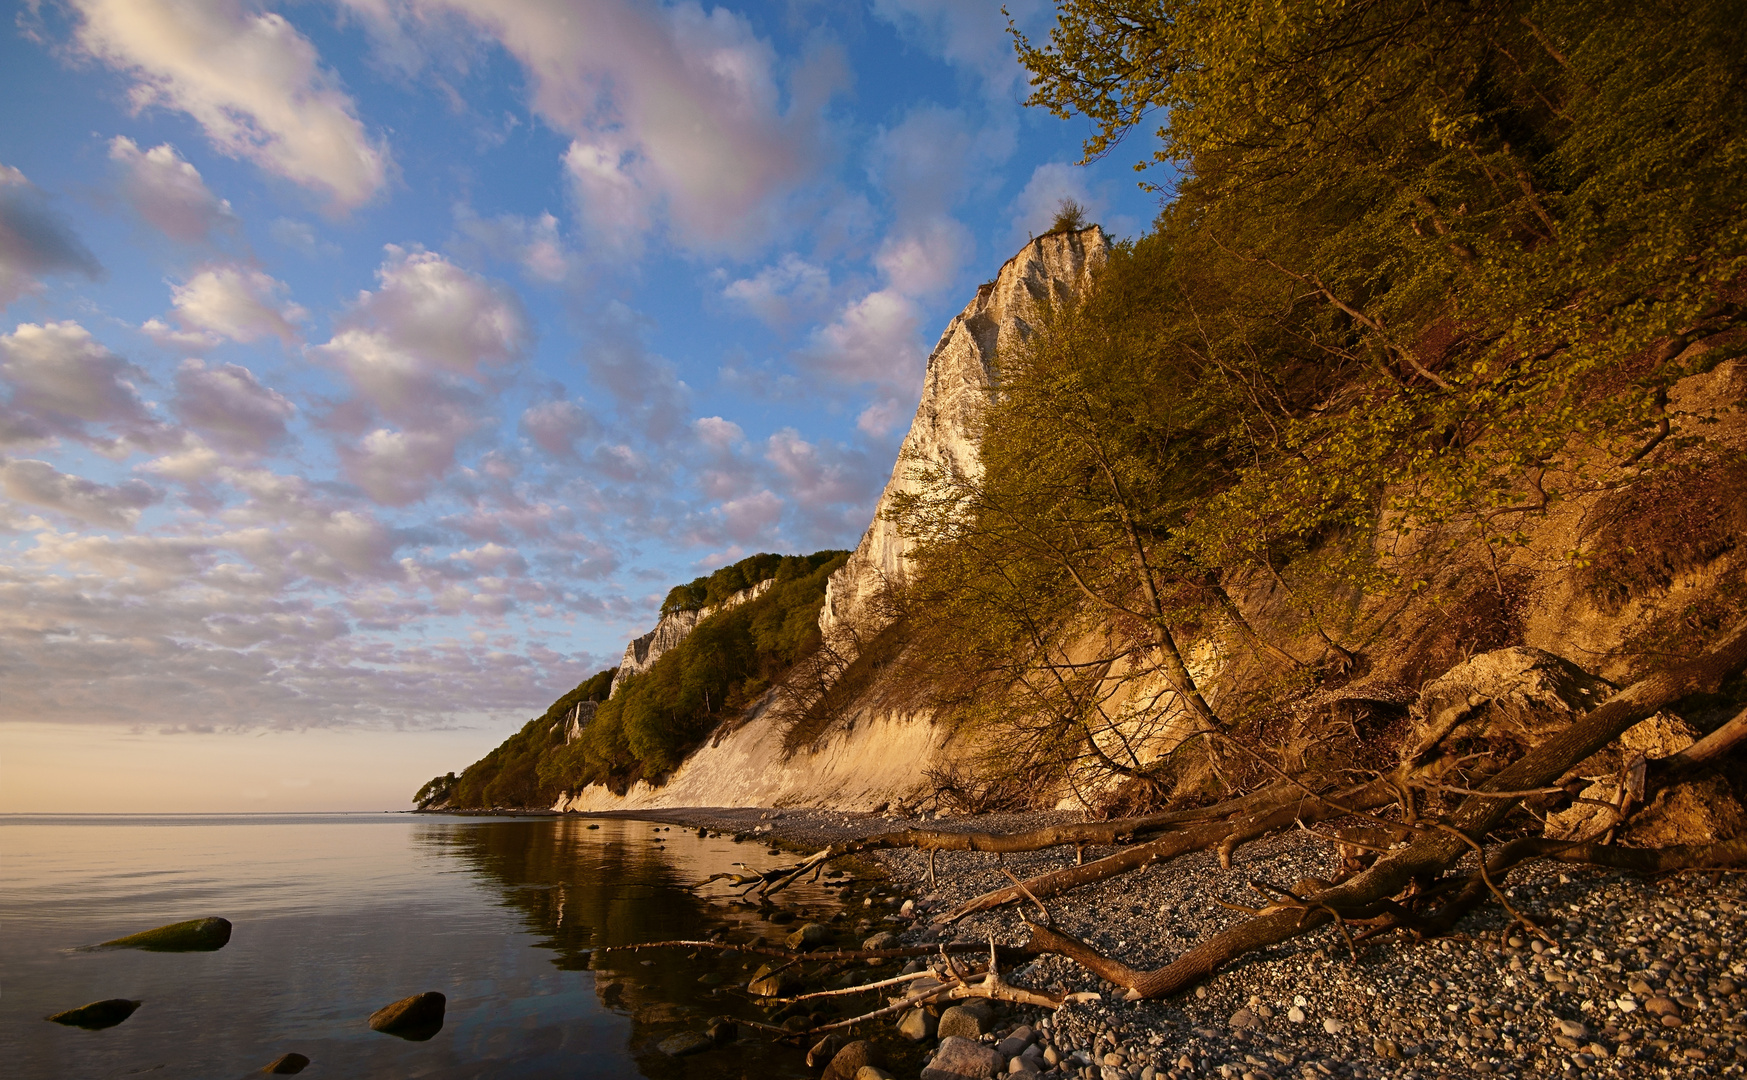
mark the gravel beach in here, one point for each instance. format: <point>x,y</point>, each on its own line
<point>1645,980</point>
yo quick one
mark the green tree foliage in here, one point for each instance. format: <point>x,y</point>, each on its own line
<point>1070,216</point>
<point>712,589</point>
<point>1428,266</point>
<point>731,658</point>
<point>510,774</point>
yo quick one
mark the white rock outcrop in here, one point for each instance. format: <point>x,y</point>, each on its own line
<point>880,755</point>
<point>961,369</point>
<point>641,653</point>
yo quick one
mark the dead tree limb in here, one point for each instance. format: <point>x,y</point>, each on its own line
<point>1293,807</point>
<point>1431,854</point>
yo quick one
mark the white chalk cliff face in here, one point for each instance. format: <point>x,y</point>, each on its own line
<point>880,756</point>
<point>961,369</point>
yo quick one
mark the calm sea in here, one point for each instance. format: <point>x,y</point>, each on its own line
<point>338,915</point>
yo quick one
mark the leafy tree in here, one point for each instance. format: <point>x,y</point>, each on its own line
<point>722,667</point>
<point>1070,216</point>
<point>1428,267</point>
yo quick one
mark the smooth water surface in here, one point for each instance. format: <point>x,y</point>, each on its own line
<point>338,915</point>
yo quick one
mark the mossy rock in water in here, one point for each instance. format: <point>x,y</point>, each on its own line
<point>195,935</point>
<point>97,1015</point>
<point>685,1044</point>
<point>416,1018</point>
<point>287,1065</point>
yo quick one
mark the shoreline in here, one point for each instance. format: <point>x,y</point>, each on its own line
<point>1476,1003</point>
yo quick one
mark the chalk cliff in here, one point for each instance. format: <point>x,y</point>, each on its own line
<point>880,755</point>
<point>961,369</point>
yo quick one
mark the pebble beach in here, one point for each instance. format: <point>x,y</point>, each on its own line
<point>1644,976</point>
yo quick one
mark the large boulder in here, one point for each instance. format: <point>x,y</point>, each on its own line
<point>960,1058</point>
<point>415,1018</point>
<point>1520,695</point>
<point>97,1015</point>
<point>194,935</point>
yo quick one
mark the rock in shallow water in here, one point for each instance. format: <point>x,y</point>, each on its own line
<point>97,1015</point>
<point>194,935</point>
<point>287,1065</point>
<point>685,1044</point>
<point>850,1060</point>
<point>416,1018</point>
<point>809,937</point>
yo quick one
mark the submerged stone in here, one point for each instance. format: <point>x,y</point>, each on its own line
<point>415,1018</point>
<point>685,1043</point>
<point>97,1015</point>
<point>287,1065</point>
<point>194,935</point>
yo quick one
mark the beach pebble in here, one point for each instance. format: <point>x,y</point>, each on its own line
<point>959,1058</point>
<point>1296,1015</point>
<point>1333,1026</point>
<point>918,1025</point>
<point>961,1022</point>
<point>1244,1019</point>
<point>808,937</point>
<point>850,1060</point>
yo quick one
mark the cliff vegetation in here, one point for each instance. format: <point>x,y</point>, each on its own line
<point>646,725</point>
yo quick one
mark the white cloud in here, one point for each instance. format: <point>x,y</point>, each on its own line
<point>230,407</point>
<point>792,288</point>
<point>555,426</point>
<point>41,484</point>
<point>924,258</point>
<point>672,111</point>
<point>751,518</point>
<point>236,302</point>
<point>718,433</point>
<point>34,240</point>
<point>416,351</point>
<point>249,79</point>
<point>531,243</point>
<point>61,380</point>
<point>873,340</point>
<point>168,192</point>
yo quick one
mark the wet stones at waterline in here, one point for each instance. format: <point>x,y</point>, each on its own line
<point>97,1015</point>
<point>194,935</point>
<point>415,1018</point>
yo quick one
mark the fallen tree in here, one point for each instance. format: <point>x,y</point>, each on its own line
<point>1409,887</point>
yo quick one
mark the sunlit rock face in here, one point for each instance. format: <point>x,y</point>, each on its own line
<point>961,369</point>
<point>641,653</point>
<point>879,758</point>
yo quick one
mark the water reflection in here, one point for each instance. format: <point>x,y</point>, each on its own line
<point>625,882</point>
<point>337,916</point>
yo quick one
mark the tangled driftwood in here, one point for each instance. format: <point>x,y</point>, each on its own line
<point>1411,882</point>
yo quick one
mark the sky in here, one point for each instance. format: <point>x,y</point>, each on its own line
<point>370,369</point>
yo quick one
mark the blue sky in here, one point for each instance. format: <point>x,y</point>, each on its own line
<point>371,368</point>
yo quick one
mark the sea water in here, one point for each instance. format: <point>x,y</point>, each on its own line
<point>337,915</point>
